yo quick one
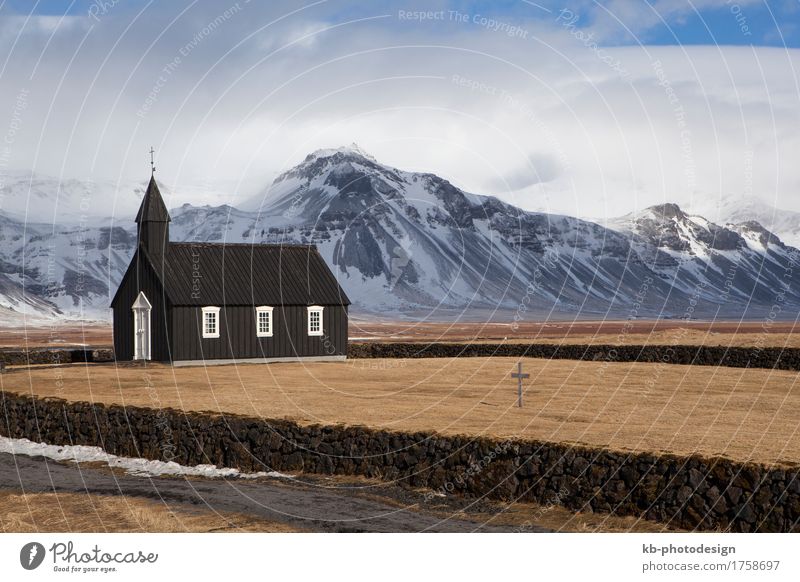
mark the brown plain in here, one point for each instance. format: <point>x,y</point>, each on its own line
<point>636,332</point>
<point>746,415</point>
<point>610,332</point>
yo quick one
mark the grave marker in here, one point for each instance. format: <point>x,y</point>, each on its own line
<point>519,376</point>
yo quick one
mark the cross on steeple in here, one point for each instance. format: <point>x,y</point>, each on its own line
<point>152,161</point>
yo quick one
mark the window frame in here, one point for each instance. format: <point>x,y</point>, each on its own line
<point>264,309</point>
<point>314,309</point>
<point>208,311</point>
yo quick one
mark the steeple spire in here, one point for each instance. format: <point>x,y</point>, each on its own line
<point>153,219</point>
<point>152,208</point>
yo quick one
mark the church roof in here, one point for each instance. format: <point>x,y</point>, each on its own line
<point>248,274</point>
<point>153,208</point>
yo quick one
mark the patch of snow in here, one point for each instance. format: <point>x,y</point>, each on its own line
<point>351,149</point>
<point>132,466</point>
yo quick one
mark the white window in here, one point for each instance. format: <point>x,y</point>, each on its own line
<point>210,321</point>
<point>264,321</point>
<point>315,320</point>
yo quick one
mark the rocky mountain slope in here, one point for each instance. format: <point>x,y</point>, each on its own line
<point>737,266</point>
<point>61,270</point>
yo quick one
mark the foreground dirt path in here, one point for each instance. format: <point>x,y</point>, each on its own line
<point>294,504</point>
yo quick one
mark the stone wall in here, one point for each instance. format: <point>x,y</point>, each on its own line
<point>705,494</point>
<point>17,357</point>
<point>737,357</point>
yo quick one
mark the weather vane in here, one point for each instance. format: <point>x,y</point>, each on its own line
<point>152,160</point>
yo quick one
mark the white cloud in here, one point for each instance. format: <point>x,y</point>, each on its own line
<point>543,122</point>
<point>14,26</point>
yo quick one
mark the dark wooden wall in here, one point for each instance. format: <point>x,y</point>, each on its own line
<point>237,338</point>
<point>141,277</point>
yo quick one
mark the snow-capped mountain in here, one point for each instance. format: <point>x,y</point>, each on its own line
<point>736,209</point>
<point>402,241</point>
<point>735,265</point>
<point>65,270</point>
<point>409,242</point>
<point>412,244</point>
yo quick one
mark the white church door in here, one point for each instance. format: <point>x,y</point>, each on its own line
<point>141,327</point>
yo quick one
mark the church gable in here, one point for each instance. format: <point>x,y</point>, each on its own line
<point>140,267</point>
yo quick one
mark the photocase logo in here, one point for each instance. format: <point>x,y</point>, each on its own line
<point>31,555</point>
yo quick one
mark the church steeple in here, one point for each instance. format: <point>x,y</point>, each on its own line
<point>153,222</point>
<point>153,208</point>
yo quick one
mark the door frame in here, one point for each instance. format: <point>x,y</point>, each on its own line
<point>142,325</point>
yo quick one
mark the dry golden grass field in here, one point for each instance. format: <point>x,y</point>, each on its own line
<point>67,335</point>
<point>72,512</point>
<point>747,415</point>
<point>663,332</point>
<point>638,332</point>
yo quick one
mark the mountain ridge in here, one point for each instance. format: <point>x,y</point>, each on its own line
<point>413,243</point>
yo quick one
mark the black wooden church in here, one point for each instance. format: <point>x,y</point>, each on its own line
<point>192,302</point>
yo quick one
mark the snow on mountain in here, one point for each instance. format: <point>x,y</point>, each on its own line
<point>289,181</point>
<point>16,302</point>
<point>402,241</point>
<point>66,270</point>
<point>733,265</point>
<point>736,209</point>
<point>412,244</point>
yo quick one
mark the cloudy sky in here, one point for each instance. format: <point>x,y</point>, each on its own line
<point>585,107</point>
